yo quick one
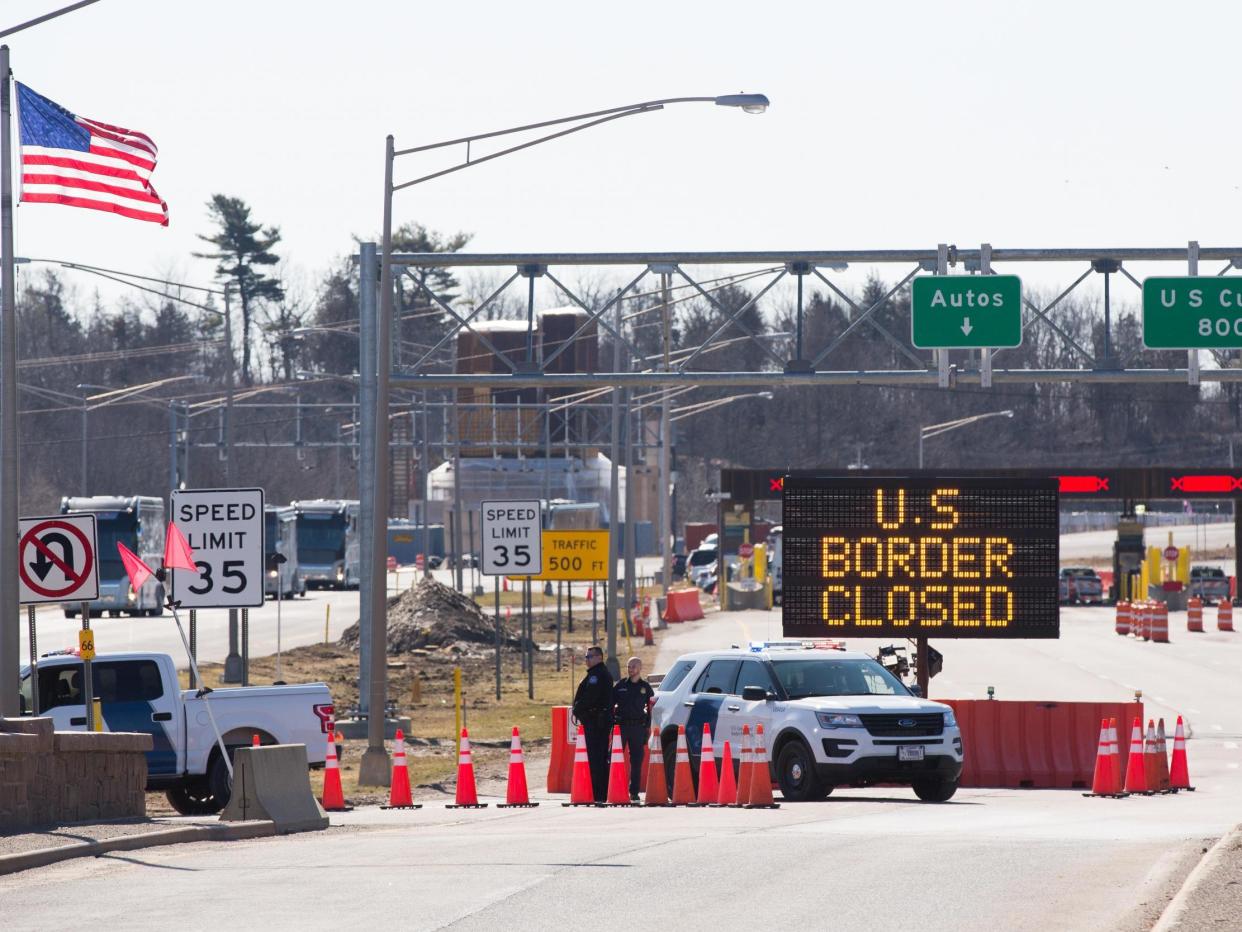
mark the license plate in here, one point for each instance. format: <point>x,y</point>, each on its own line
<point>908,752</point>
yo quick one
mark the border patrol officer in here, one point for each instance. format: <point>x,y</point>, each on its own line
<point>631,696</point>
<point>593,709</point>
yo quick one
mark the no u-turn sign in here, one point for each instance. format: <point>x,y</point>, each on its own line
<point>57,559</point>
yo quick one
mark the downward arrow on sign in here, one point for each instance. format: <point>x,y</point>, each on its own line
<point>966,327</point>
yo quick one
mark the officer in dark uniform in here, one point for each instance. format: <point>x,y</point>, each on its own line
<point>631,696</point>
<point>593,710</point>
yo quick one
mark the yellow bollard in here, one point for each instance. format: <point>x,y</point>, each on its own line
<point>327,613</point>
<point>97,722</point>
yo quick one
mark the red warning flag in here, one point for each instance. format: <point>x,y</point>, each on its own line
<point>177,552</point>
<point>138,571</point>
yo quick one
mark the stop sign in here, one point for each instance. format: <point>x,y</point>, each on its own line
<point>745,550</point>
<point>1170,553</point>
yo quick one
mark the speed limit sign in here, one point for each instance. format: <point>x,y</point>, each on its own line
<point>224,528</point>
<point>511,538</point>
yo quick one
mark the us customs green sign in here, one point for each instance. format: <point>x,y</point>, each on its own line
<point>966,311</point>
<point>1192,313</point>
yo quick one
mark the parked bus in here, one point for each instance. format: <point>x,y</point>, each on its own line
<point>280,536</point>
<point>137,521</point>
<point>328,554</point>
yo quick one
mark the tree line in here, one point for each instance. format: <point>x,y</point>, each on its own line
<point>294,350</point>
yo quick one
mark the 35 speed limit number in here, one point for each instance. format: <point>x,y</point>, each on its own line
<point>511,538</point>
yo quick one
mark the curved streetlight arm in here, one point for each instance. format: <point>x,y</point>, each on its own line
<point>751,103</point>
<point>728,100</point>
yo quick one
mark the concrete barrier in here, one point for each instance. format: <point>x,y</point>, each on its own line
<point>683,605</point>
<point>1036,745</point>
<point>273,783</point>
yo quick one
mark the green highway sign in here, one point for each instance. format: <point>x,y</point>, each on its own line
<point>1192,313</point>
<point>966,311</point>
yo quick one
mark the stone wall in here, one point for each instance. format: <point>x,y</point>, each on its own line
<point>49,778</point>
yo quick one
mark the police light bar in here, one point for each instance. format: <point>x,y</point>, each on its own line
<point>817,644</point>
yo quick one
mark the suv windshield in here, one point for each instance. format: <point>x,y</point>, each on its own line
<point>805,678</point>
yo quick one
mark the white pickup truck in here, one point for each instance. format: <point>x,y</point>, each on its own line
<point>139,692</point>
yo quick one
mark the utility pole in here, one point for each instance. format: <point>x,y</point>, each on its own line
<point>665,531</point>
<point>614,507</point>
<point>233,662</point>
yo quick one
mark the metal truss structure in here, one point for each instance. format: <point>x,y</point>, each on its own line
<point>807,365</point>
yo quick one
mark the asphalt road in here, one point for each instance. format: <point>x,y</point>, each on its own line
<point>863,859</point>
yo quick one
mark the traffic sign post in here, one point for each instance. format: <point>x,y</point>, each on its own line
<point>57,559</point>
<point>511,538</point>
<point>966,311</point>
<point>1192,313</point>
<point>224,528</point>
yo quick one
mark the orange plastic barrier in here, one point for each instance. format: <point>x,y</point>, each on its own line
<point>1194,614</point>
<point>1123,618</point>
<point>1224,615</point>
<point>561,763</point>
<point>683,605</point>
<point>1160,623</point>
<point>1035,745</point>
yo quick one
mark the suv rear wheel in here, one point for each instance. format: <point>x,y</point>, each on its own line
<point>935,791</point>
<point>795,774</point>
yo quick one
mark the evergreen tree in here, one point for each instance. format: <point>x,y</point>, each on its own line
<point>243,247</point>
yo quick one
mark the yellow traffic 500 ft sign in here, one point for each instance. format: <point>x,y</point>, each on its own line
<point>573,555</point>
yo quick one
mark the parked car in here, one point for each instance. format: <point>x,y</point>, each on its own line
<point>139,691</point>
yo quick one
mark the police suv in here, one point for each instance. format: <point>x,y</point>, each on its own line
<point>830,717</point>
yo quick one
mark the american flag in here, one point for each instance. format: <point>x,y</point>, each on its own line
<point>68,159</point>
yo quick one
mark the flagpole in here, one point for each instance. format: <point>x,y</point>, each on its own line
<point>10,643</point>
<point>203,690</point>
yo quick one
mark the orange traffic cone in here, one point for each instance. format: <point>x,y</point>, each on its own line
<point>1179,770</point>
<point>743,774</point>
<point>760,796</point>
<point>683,782</point>
<point>618,778</point>
<point>1136,780</point>
<point>517,796</point>
<point>657,785</point>
<point>1162,759</point>
<point>399,785</point>
<point>709,788</point>
<point>1150,772</point>
<point>467,795</point>
<point>333,799</point>
<point>581,792</point>
<point>726,795</point>
<point>648,636</point>
<point>1102,784</point>
<point>1119,768</point>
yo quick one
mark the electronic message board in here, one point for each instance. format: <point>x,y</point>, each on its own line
<point>945,557</point>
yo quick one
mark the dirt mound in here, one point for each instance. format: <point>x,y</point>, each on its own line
<point>432,615</point>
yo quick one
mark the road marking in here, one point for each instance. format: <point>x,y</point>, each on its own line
<point>1193,711</point>
<point>1231,745</point>
<point>1217,728</point>
<point>1162,700</point>
<point>1232,766</point>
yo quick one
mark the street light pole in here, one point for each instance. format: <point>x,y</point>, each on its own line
<point>667,530</point>
<point>373,770</point>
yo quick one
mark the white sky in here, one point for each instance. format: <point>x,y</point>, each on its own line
<point>892,124</point>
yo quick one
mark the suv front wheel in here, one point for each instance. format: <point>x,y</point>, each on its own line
<point>796,776</point>
<point>935,791</point>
